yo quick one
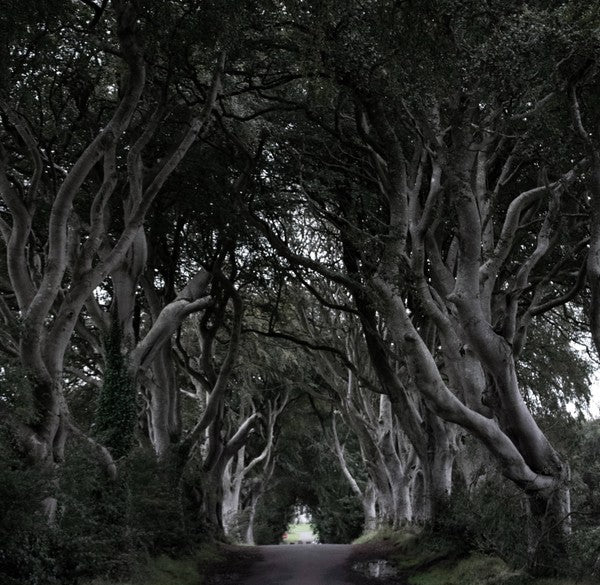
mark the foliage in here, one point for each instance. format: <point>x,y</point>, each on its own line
<point>474,570</point>
<point>489,519</point>
<point>584,552</point>
<point>426,558</point>
<point>103,527</point>
<point>186,569</point>
<point>583,545</point>
<point>337,517</point>
<point>275,512</point>
<point>25,541</point>
<point>94,532</point>
<point>586,472</point>
<point>116,414</point>
<point>164,570</point>
<point>301,84</point>
<point>159,506</point>
<point>15,389</point>
<point>551,370</point>
<point>307,473</point>
<point>397,538</point>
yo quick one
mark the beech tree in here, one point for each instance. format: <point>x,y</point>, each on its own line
<point>448,226</point>
<point>250,472</point>
<point>56,256</point>
<point>376,216</point>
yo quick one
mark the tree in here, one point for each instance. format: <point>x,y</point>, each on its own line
<point>449,227</point>
<point>54,258</point>
<point>378,208</point>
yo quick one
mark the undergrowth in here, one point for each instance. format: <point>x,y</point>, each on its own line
<point>165,570</point>
<point>424,558</point>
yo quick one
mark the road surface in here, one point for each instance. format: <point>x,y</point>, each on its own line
<point>301,564</point>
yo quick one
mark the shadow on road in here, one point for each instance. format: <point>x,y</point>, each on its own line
<point>327,564</point>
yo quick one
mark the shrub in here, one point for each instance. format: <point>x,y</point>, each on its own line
<point>94,534</point>
<point>490,519</point>
<point>25,539</point>
<point>103,528</point>
<point>156,505</point>
<point>584,552</point>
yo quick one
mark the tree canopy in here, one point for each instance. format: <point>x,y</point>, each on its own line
<point>283,251</point>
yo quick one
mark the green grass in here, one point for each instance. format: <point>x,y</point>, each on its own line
<point>427,559</point>
<point>473,570</point>
<point>164,570</point>
<point>482,570</point>
<point>410,549</point>
<point>400,538</point>
<point>209,554</point>
<point>295,531</point>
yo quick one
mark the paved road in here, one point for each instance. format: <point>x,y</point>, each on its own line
<point>301,564</point>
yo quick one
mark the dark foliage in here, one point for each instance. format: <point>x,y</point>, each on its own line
<point>117,413</point>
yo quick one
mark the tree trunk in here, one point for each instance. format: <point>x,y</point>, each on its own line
<point>212,501</point>
<point>232,487</point>
<point>440,464</point>
<point>386,508</point>
<point>403,513</point>
<point>165,415</point>
<point>548,527</point>
<point>252,518</point>
<point>45,445</point>
<point>420,499</point>
<point>369,506</point>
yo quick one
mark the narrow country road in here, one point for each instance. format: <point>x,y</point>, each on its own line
<point>306,564</point>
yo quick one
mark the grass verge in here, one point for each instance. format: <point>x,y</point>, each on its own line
<point>422,558</point>
<point>198,569</point>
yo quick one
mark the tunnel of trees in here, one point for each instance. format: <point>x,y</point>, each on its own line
<point>264,252</point>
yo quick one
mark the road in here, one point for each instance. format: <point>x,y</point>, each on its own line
<point>301,564</point>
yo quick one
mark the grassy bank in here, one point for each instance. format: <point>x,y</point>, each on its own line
<point>426,559</point>
<point>196,569</point>
<point>162,571</point>
<point>299,533</point>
